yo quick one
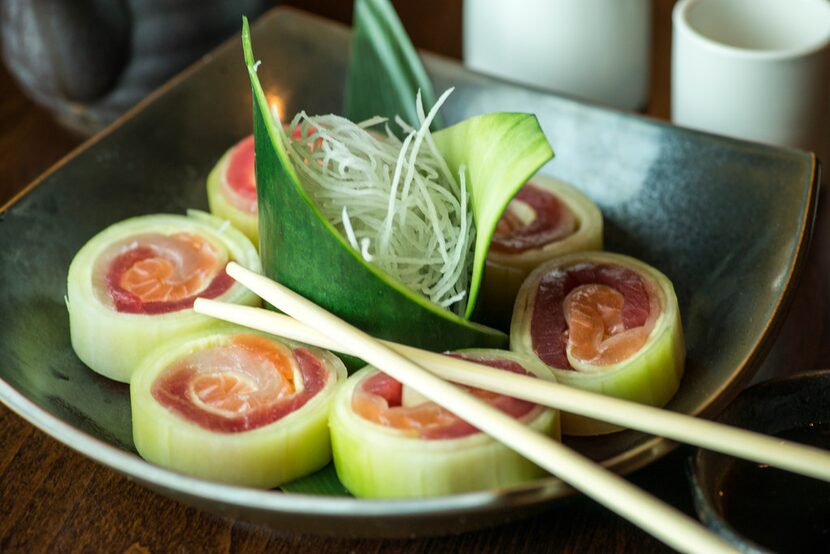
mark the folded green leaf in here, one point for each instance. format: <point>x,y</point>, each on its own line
<point>385,72</point>
<point>304,251</point>
<point>501,151</point>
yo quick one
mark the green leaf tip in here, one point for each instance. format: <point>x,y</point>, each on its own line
<point>266,123</point>
<point>385,71</point>
<point>246,43</point>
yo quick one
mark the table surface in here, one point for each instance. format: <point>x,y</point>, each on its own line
<point>54,499</point>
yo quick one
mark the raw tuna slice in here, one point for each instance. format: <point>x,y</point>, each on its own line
<point>231,189</point>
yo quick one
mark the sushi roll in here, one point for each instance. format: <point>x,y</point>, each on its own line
<point>235,407</point>
<point>546,219</point>
<point>390,442</point>
<point>602,322</point>
<point>231,189</point>
<point>132,286</point>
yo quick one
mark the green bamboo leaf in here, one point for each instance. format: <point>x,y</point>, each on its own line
<point>304,251</point>
<point>385,72</point>
<point>323,482</point>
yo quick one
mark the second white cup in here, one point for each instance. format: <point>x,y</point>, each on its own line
<point>597,49</point>
<point>755,69</point>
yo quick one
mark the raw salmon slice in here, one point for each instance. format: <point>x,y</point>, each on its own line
<point>180,266</point>
<point>225,392</point>
<point>379,399</point>
<point>241,176</point>
<point>241,377</point>
<point>611,301</point>
<point>596,332</point>
<point>280,359</point>
<point>236,391</point>
<point>248,383</point>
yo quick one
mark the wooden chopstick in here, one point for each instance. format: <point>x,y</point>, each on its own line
<point>757,447</point>
<point>657,518</point>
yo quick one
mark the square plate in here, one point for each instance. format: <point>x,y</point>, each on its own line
<point>727,221</point>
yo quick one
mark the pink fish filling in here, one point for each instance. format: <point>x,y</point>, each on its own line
<point>241,177</point>
<point>379,399</point>
<point>624,308</point>
<point>173,389</point>
<point>126,301</point>
<point>552,221</point>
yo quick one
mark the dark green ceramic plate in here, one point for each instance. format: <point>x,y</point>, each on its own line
<point>727,221</point>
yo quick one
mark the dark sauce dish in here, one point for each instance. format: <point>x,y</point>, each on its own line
<point>758,508</point>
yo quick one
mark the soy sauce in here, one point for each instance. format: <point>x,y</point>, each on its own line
<point>777,509</point>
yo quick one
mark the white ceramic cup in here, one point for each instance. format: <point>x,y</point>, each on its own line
<point>755,69</point>
<point>597,49</point>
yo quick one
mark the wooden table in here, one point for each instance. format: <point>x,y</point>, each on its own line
<point>54,499</point>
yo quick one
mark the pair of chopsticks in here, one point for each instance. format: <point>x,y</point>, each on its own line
<point>426,373</point>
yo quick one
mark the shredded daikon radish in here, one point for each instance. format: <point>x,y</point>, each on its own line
<point>396,202</point>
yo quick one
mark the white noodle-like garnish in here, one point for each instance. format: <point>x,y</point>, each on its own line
<point>396,202</point>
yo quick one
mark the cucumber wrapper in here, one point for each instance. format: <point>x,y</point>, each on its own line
<point>304,251</point>
<point>222,208</point>
<point>650,376</point>
<point>112,343</point>
<point>376,461</point>
<point>265,457</point>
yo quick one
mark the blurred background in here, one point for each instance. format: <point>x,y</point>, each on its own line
<point>70,67</point>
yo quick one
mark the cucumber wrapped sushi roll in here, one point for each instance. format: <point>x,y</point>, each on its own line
<point>546,219</point>
<point>602,322</point>
<point>236,407</point>
<point>231,189</point>
<point>132,286</point>
<point>390,442</point>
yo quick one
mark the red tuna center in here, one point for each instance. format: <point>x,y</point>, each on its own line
<point>159,274</point>
<point>600,313</point>
<point>534,218</point>
<point>240,387</point>
<point>379,398</point>
<point>241,176</point>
